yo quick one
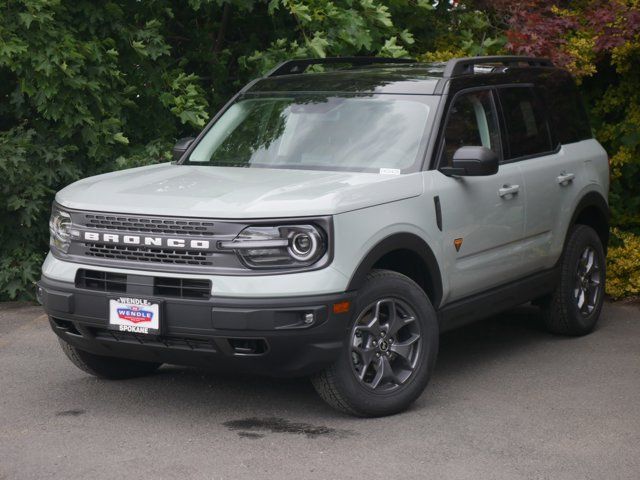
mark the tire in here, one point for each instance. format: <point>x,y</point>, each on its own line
<point>383,379</point>
<point>107,367</point>
<point>562,312</point>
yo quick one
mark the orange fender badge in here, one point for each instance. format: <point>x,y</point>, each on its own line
<point>457,243</point>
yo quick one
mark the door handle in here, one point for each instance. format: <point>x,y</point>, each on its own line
<point>507,190</point>
<point>565,178</point>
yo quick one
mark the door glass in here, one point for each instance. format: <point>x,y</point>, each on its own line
<point>471,123</point>
<point>527,128</point>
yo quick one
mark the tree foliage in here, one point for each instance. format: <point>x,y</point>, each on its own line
<point>89,87</point>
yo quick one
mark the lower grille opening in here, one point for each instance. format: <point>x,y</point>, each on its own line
<point>181,287</point>
<point>167,341</point>
<point>110,282</point>
<point>248,346</point>
<point>239,346</point>
<point>101,281</point>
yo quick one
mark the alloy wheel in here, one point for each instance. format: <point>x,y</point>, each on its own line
<point>385,345</point>
<point>587,287</point>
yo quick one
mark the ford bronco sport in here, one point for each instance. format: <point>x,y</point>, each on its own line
<point>333,222</point>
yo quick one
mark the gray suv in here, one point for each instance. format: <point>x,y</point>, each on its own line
<point>332,223</point>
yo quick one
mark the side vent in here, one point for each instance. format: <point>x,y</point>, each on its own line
<point>436,204</point>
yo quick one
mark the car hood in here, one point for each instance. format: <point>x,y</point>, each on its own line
<point>226,192</point>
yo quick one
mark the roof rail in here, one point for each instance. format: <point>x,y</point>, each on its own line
<point>463,66</point>
<point>291,67</point>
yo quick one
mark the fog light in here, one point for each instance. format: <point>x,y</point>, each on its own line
<point>308,318</point>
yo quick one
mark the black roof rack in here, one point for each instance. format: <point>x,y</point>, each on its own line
<point>291,67</point>
<point>463,66</point>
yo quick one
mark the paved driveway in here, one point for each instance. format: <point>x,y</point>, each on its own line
<point>507,401</point>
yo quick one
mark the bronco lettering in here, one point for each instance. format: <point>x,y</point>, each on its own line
<point>143,240</point>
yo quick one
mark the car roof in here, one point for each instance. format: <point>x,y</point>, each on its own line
<point>407,77</point>
<point>413,78</point>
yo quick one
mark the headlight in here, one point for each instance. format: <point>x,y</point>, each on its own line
<point>279,246</point>
<point>60,229</point>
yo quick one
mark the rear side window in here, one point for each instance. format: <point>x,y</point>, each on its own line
<point>526,123</point>
<point>567,114</point>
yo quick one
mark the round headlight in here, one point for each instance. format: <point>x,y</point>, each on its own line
<point>304,245</point>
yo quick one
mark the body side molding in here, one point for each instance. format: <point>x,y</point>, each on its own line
<point>498,299</point>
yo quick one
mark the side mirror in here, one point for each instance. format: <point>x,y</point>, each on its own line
<point>181,146</point>
<point>472,162</point>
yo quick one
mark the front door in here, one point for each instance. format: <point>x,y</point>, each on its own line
<point>482,217</point>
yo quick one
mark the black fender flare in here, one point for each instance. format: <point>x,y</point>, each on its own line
<point>594,199</point>
<point>402,241</point>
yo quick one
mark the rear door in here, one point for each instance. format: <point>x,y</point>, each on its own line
<point>482,217</point>
<point>530,143</point>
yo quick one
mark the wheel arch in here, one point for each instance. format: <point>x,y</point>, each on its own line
<point>592,210</point>
<point>405,253</point>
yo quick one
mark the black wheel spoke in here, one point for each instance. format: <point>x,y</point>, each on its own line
<point>404,349</point>
<point>398,323</point>
<point>383,372</point>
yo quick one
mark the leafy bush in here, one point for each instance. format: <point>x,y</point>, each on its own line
<point>623,265</point>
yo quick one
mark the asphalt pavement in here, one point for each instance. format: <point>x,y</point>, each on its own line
<point>507,401</point>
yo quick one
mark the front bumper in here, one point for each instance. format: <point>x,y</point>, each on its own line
<point>265,336</point>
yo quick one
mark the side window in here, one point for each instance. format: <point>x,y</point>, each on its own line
<point>568,117</point>
<point>527,127</point>
<point>472,122</point>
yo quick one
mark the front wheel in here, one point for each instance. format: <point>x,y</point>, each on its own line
<point>391,349</point>
<point>574,307</point>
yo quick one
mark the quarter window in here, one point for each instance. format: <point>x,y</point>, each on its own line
<point>471,123</point>
<point>567,117</point>
<point>527,127</point>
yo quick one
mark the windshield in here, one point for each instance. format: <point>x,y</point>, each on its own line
<point>377,133</point>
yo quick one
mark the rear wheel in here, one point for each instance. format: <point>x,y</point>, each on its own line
<point>107,367</point>
<point>574,307</point>
<point>391,350</point>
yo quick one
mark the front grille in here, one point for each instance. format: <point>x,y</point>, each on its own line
<point>147,254</point>
<point>140,224</point>
<point>110,282</point>
<point>154,250</point>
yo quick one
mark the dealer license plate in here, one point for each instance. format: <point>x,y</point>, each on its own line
<point>134,314</point>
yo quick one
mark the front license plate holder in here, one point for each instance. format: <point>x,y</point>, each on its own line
<point>140,315</point>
